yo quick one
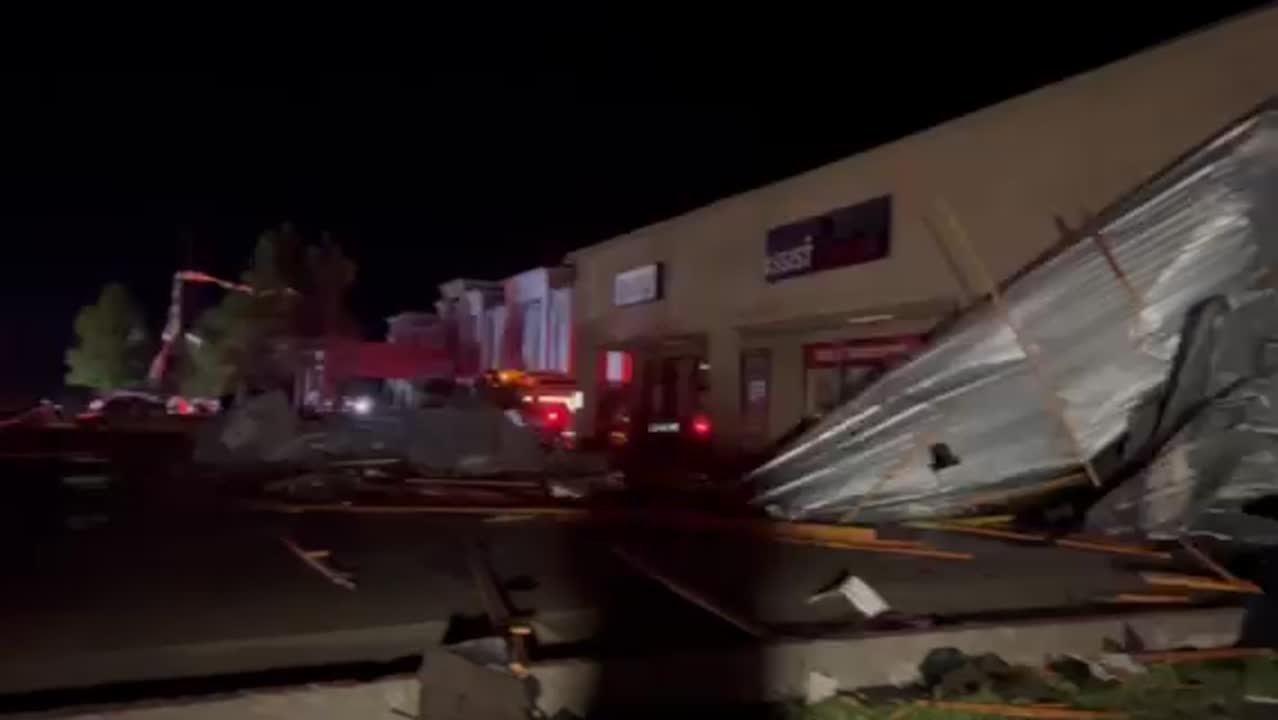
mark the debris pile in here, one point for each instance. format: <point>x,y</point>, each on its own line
<point>1150,327</point>
<point>460,439</point>
<point>1232,683</point>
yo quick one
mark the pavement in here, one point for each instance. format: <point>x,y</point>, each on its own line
<point>158,583</point>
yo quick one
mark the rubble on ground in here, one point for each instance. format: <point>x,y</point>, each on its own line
<point>1114,686</point>
<point>461,439</point>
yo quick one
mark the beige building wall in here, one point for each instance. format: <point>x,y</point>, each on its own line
<point>1065,150</point>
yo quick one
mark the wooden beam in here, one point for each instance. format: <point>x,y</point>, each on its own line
<point>1050,394</point>
<point>1147,599</point>
<point>976,530</point>
<point>1210,564</point>
<point>886,548</point>
<point>1075,543</point>
<point>1194,582</point>
<point>1207,655</point>
<point>1035,712</point>
<point>1134,299</point>
<point>1073,479</point>
<point>314,562</point>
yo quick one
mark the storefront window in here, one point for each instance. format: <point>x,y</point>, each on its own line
<point>838,372</point>
<point>830,387</point>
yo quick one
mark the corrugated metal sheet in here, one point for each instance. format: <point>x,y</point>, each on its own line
<point>1207,226</point>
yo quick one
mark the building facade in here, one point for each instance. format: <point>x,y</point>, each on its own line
<point>522,323</point>
<point>779,303</point>
<point>538,322</point>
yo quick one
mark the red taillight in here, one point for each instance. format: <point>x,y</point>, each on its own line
<point>555,417</point>
<point>701,426</point>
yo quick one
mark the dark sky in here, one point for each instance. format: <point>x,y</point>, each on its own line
<point>482,172</point>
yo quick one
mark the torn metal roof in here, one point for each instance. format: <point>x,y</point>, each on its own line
<point>1102,335</point>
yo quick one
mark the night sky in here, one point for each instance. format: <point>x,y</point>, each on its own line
<point>480,172</point>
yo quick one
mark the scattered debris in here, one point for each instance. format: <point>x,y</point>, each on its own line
<point>857,592</point>
<point>471,679</point>
<point>318,560</point>
<point>820,687</point>
<point>463,439</point>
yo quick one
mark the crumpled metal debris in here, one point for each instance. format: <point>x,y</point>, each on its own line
<point>1221,414</point>
<point>1206,227</point>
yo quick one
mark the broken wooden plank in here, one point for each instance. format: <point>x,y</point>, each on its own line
<point>1196,582</point>
<point>308,558</point>
<point>1004,497</point>
<point>761,526</point>
<point>887,547</point>
<point>976,530</point>
<point>878,544</point>
<point>1209,563</point>
<point>1147,599</point>
<point>1204,655</point>
<point>1036,712</point>
<point>508,518</point>
<point>693,596</point>
<point>1075,543</point>
<point>984,520</point>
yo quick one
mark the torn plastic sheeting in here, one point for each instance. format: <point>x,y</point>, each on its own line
<point>1205,227</point>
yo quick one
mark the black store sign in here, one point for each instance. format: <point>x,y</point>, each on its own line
<point>848,236</point>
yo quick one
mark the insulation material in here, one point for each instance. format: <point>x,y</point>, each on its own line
<point>970,414</point>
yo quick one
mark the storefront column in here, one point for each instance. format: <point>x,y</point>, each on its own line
<point>587,371</point>
<point>788,392</point>
<point>724,355</point>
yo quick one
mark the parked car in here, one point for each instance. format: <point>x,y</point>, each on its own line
<point>126,404</point>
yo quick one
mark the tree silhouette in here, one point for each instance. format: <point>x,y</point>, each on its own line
<point>112,342</point>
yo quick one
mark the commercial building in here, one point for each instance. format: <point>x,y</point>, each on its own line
<point>538,322</point>
<point>778,303</point>
<point>521,323</point>
<point>474,315</point>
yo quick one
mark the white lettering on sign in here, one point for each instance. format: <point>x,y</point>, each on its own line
<point>663,427</point>
<point>637,285</point>
<point>795,259</point>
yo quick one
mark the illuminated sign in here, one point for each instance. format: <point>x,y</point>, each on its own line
<point>637,285</point>
<point>834,354</point>
<point>852,235</point>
